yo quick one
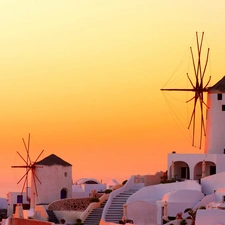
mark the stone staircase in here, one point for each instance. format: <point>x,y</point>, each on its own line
<point>52,217</point>
<point>115,210</point>
<point>95,216</point>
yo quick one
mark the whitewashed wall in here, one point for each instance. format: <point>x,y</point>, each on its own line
<point>53,180</point>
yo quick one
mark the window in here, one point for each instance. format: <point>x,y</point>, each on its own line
<point>223,107</point>
<point>212,170</point>
<point>185,173</point>
<point>219,96</point>
<point>65,174</point>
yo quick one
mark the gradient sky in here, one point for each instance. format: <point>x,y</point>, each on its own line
<point>84,78</point>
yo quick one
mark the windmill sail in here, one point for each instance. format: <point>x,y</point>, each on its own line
<point>198,88</point>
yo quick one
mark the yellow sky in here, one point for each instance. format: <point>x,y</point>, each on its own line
<point>84,78</point>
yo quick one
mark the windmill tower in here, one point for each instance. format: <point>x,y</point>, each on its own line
<point>56,177</point>
<point>215,127</point>
<point>30,167</point>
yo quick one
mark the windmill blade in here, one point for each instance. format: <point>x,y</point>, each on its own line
<point>207,83</point>
<point>199,47</point>
<point>19,166</point>
<point>36,176</point>
<point>190,81</point>
<point>25,181</point>
<point>190,99</point>
<point>27,148</point>
<point>202,116</point>
<point>207,58</point>
<point>192,120</point>
<point>193,62</point>
<point>24,175</point>
<point>28,143</point>
<point>22,158</point>
<point>38,156</point>
<point>202,127</point>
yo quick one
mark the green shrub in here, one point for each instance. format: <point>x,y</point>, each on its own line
<point>94,199</point>
<point>78,222</point>
<point>183,222</point>
<point>107,191</point>
<point>124,182</point>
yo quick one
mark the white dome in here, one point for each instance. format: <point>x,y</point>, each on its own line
<point>183,196</point>
<point>87,181</point>
<point>220,190</point>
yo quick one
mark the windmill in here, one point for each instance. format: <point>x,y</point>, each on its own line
<point>30,168</point>
<point>198,87</point>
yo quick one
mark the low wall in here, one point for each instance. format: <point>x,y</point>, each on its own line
<point>19,221</point>
<point>77,204</point>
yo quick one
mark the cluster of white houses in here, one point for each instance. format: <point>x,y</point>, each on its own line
<point>154,203</point>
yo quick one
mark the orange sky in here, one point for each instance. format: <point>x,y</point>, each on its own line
<point>84,78</point>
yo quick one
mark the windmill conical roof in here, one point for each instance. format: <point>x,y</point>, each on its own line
<point>52,160</point>
<point>218,87</point>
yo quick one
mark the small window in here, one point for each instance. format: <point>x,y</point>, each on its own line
<point>219,97</point>
<point>65,174</point>
<point>212,170</point>
<point>223,107</point>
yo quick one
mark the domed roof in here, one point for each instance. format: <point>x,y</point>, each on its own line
<point>87,181</point>
<point>183,196</point>
<point>220,190</point>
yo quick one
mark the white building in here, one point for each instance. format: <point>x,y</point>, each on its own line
<point>84,186</point>
<point>202,176</point>
<point>55,176</point>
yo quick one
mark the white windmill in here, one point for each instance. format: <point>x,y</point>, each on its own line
<point>213,128</point>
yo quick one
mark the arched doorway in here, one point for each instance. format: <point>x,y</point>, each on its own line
<point>180,169</point>
<point>63,193</point>
<point>210,169</point>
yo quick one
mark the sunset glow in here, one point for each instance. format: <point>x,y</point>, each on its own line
<point>84,78</point>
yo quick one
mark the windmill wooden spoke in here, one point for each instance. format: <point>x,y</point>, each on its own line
<point>22,158</point>
<point>19,166</point>
<point>25,182</point>
<point>193,118</point>
<point>190,99</point>
<point>193,113</point>
<point>202,101</point>
<point>36,176</point>
<point>27,148</point>
<point>206,63</point>
<point>203,122</point>
<point>190,81</point>
<point>199,47</point>
<point>24,176</point>
<point>207,82</point>
<point>202,126</point>
<point>39,156</point>
<point>193,62</point>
